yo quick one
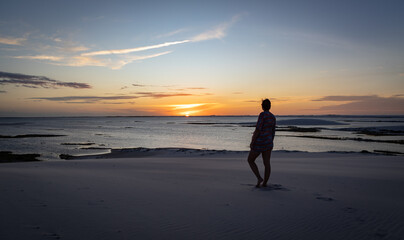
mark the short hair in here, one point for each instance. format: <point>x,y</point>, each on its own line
<point>266,104</point>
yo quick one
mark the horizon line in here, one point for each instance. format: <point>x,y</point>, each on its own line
<point>247,115</point>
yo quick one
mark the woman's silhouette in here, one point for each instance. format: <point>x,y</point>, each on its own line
<point>263,142</point>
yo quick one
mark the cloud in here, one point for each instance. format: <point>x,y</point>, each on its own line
<point>345,98</point>
<point>186,106</point>
<point>76,48</point>
<point>130,50</point>
<point>217,32</point>
<point>81,61</point>
<point>41,57</point>
<point>36,81</point>
<point>139,85</point>
<point>190,88</point>
<point>66,46</point>
<point>130,59</point>
<point>163,95</point>
<point>92,99</point>
<point>12,41</point>
<point>68,51</point>
<point>172,33</point>
<point>371,104</point>
<point>85,99</point>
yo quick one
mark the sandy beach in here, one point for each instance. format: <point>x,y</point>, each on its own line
<point>195,195</point>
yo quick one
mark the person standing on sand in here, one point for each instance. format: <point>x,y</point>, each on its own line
<point>262,142</point>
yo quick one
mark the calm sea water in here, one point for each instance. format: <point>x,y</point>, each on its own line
<point>215,133</point>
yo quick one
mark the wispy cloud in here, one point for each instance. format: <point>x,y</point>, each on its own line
<point>130,50</point>
<point>70,53</point>
<point>190,88</point>
<point>81,61</point>
<point>32,81</point>
<point>370,104</point>
<point>12,41</point>
<point>252,101</point>
<point>186,106</point>
<point>139,85</point>
<point>172,33</point>
<point>217,32</point>
<point>75,48</point>
<point>130,59</point>
<point>92,99</point>
<point>41,57</point>
<point>346,98</point>
<point>163,95</point>
<point>86,99</point>
<point>67,45</point>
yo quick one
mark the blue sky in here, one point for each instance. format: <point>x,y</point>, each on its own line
<point>222,54</point>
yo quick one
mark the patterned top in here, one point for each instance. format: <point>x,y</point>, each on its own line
<point>266,128</point>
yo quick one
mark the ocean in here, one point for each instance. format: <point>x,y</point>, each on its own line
<point>52,136</point>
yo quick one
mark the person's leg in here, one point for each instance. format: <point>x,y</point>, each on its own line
<point>266,157</point>
<point>251,160</point>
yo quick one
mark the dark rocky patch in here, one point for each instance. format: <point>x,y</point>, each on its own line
<point>6,157</point>
<point>297,129</point>
<point>81,144</point>
<point>353,139</point>
<point>31,136</point>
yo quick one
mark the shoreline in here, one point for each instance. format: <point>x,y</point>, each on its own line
<point>138,152</point>
<point>254,115</point>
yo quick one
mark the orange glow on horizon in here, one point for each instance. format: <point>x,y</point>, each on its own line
<point>185,106</point>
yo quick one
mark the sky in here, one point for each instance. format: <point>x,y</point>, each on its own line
<point>151,58</point>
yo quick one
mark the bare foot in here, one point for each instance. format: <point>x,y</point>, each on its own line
<point>264,184</point>
<point>259,182</point>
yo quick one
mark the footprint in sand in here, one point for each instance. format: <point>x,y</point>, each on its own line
<point>270,187</point>
<point>326,199</point>
<point>381,233</point>
<point>358,217</point>
<point>52,235</point>
<point>349,210</point>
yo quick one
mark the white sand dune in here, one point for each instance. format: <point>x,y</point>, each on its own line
<point>313,196</point>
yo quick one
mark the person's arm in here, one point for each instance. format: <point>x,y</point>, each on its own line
<point>254,137</point>
<point>257,130</point>
<point>273,130</point>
